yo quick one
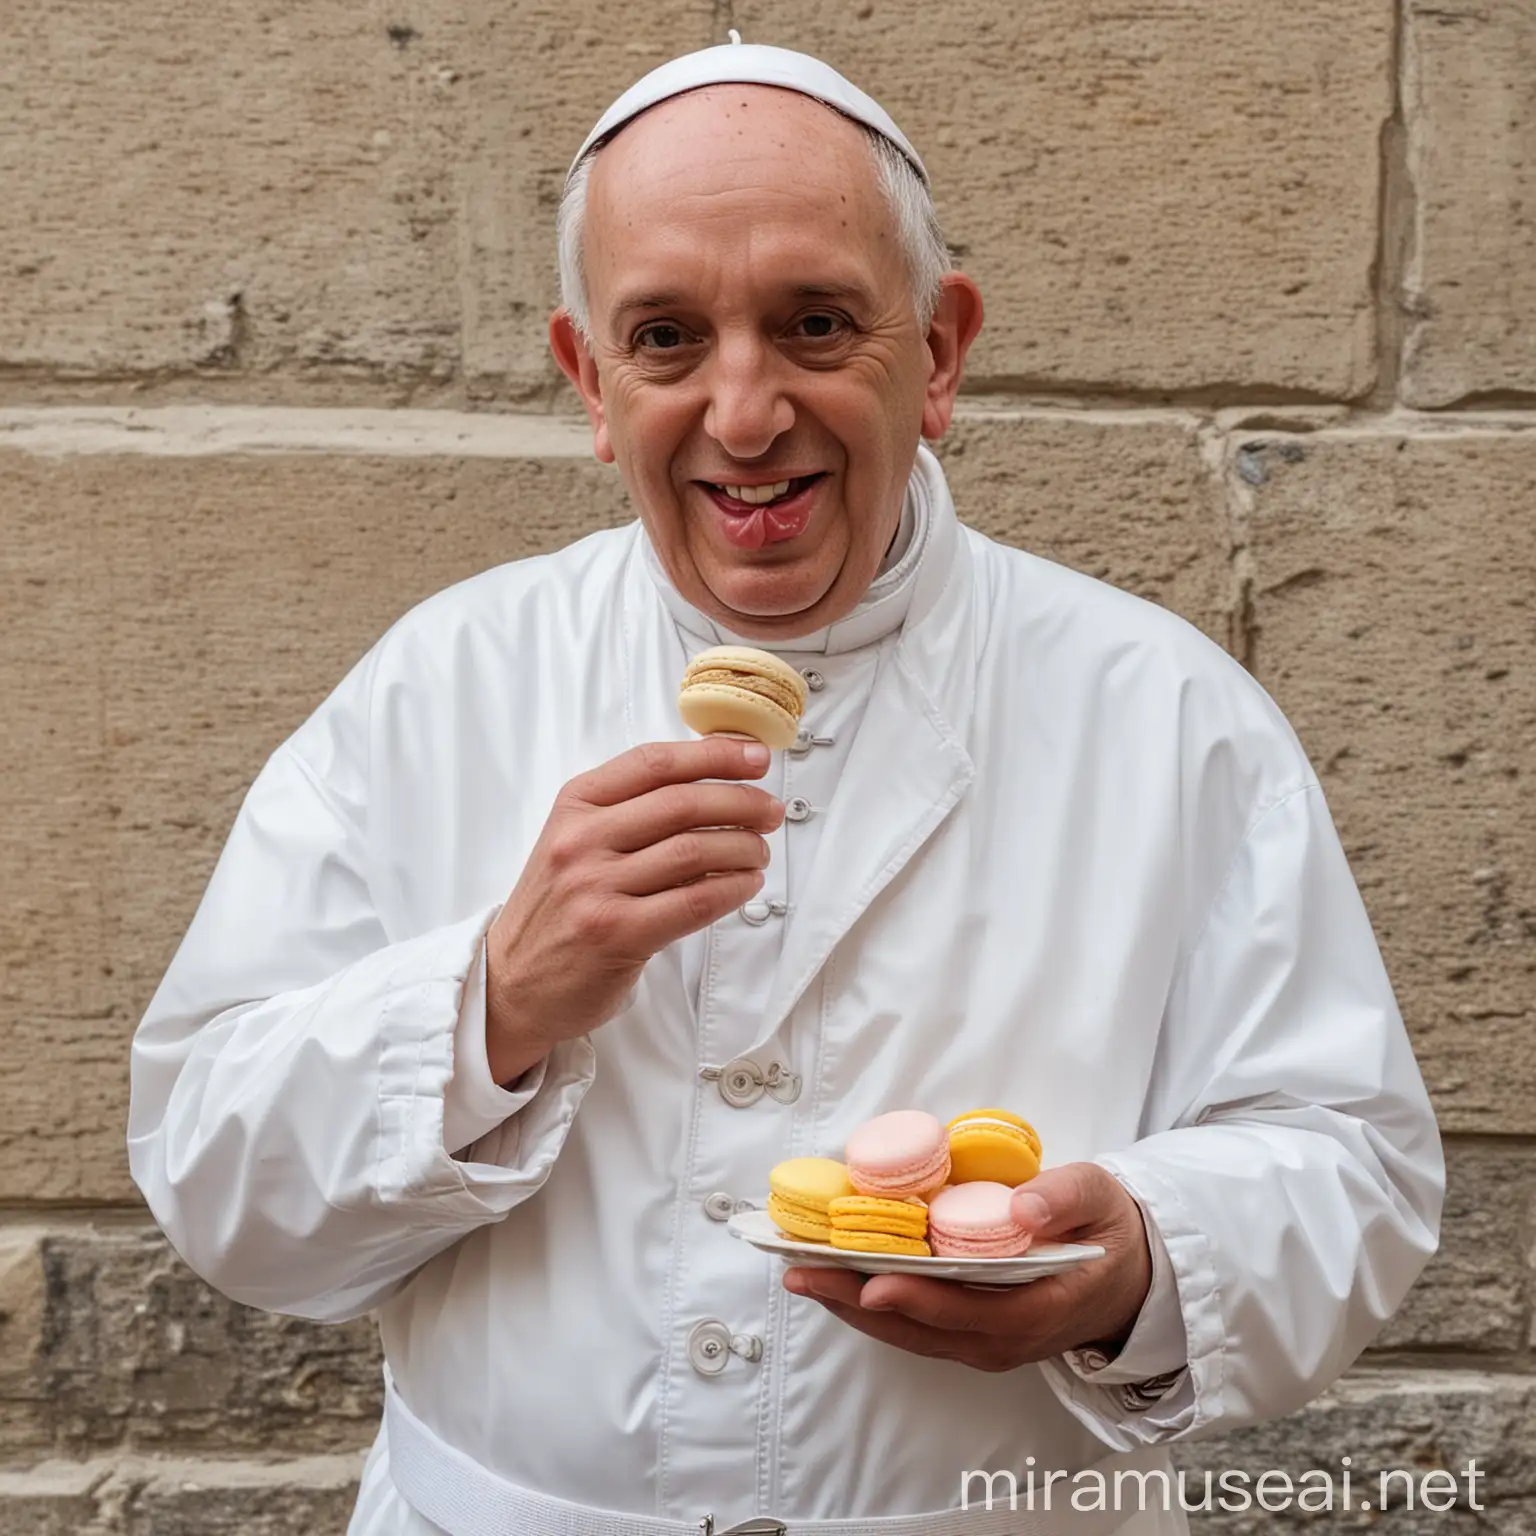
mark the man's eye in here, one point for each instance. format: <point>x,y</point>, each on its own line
<point>820,327</point>
<point>660,337</point>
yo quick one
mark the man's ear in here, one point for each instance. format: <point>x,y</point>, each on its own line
<point>955,324</point>
<point>575,360</point>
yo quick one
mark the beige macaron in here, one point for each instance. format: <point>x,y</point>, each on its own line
<point>737,690</point>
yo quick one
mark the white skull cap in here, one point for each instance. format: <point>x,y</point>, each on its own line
<point>739,63</point>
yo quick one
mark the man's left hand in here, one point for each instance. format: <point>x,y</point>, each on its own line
<point>999,1330</point>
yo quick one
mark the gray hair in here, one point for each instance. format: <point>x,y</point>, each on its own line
<point>906,194</point>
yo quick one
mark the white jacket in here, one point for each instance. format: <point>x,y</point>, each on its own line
<point>1077,865</point>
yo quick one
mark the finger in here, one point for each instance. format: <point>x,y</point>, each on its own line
<point>653,922</point>
<point>675,808</point>
<point>687,857</point>
<point>1076,1199</point>
<point>900,1332</point>
<point>655,763</point>
<point>942,1304</point>
<point>820,1284</point>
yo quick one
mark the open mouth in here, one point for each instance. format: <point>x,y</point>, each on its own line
<point>748,498</point>
<point>755,515</point>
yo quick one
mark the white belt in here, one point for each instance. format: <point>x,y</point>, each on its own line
<point>463,1498</point>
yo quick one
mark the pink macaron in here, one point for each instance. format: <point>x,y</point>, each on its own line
<point>905,1152</point>
<point>975,1221</point>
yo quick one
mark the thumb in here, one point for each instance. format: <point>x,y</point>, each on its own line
<point>1061,1201</point>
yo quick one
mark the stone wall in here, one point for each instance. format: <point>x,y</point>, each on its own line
<point>1261,345</point>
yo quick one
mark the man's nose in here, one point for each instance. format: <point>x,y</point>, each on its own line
<point>748,407</point>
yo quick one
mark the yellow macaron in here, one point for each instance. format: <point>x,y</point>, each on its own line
<point>874,1224</point>
<point>799,1192</point>
<point>993,1145</point>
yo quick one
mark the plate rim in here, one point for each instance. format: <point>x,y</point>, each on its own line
<point>785,1246</point>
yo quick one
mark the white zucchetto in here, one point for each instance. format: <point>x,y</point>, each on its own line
<point>738,63</point>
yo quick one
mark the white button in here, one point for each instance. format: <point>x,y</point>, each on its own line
<point>709,1347</point>
<point>783,1084</point>
<point>814,680</point>
<point>805,740</point>
<point>741,1082</point>
<point>720,1206</point>
<point>747,1346</point>
<point>711,1344</point>
<point>797,809</point>
<point>758,912</point>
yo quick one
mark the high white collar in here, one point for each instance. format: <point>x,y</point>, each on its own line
<point>881,611</point>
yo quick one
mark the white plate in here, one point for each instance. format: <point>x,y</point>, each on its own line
<point>757,1228</point>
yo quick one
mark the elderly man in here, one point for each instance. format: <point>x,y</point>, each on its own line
<point>505,994</point>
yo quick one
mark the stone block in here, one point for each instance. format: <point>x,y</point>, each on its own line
<point>216,189</point>
<point>1471,280</point>
<point>109,1342</point>
<point>1126,498</point>
<point>1392,606</point>
<point>1413,1422</point>
<point>50,1500</point>
<point>1476,1294</point>
<point>165,622</point>
<point>155,1497</point>
<point>1151,197</point>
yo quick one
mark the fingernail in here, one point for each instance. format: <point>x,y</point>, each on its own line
<point>756,754</point>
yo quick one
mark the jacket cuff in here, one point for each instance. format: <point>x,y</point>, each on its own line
<point>1127,1415</point>
<point>474,1103</point>
<point>419,1027</point>
<point>1155,1354</point>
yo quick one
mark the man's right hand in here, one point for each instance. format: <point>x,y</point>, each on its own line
<point>635,854</point>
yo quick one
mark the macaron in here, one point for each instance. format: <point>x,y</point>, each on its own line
<point>871,1224</point>
<point>975,1221</point>
<point>905,1152</point>
<point>994,1145</point>
<point>738,690</point>
<point>799,1192</point>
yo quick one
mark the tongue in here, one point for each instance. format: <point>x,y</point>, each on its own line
<point>787,519</point>
<point>747,530</point>
<point>769,524</point>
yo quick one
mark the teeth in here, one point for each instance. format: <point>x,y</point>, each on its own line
<point>756,494</point>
